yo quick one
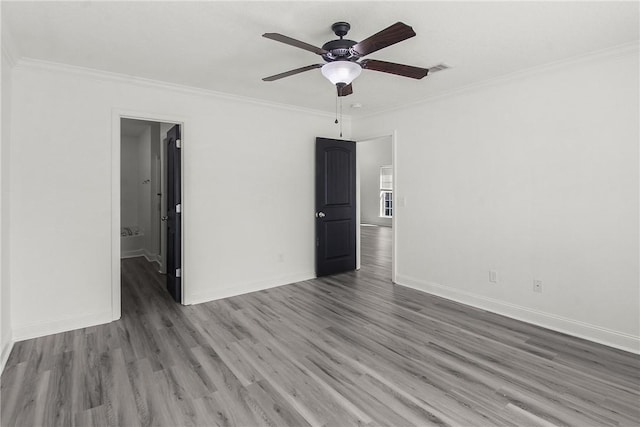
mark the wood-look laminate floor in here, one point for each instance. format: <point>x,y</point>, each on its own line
<point>352,349</point>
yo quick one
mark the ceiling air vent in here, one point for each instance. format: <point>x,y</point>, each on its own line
<point>438,67</point>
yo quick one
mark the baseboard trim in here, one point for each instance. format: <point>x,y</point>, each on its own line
<point>132,254</point>
<point>375,222</point>
<point>576,328</point>
<point>152,257</point>
<point>6,351</point>
<point>248,287</point>
<point>140,253</point>
<point>40,329</point>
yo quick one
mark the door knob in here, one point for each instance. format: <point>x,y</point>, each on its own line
<point>164,218</point>
<point>320,215</point>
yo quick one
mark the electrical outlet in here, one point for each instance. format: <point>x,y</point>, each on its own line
<point>537,286</point>
<point>493,276</point>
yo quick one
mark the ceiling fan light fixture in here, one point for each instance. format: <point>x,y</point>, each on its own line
<point>341,71</point>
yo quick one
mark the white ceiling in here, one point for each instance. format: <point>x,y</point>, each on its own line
<point>218,45</point>
<point>133,128</point>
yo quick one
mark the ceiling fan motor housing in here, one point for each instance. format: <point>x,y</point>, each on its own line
<point>339,50</point>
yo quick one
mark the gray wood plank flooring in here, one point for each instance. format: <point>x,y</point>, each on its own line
<point>351,349</point>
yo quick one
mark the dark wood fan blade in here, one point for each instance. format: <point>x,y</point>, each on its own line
<point>345,90</point>
<point>393,68</point>
<point>390,35</point>
<point>292,72</point>
<point>293,42</point>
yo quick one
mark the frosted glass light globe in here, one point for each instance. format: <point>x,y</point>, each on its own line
<point>341,71</point>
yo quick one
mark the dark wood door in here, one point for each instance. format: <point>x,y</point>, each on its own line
<point>335,206</point>
<point>174,209</point>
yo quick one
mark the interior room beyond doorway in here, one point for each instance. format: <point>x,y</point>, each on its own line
<point>143,186</point>
<point>375,170</point>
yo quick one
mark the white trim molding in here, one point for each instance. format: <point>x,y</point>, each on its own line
<point>8,47</point>
<point>393,134</point>
<point>41,329</point>
<point>137,253</point>
<point>248,287</point>
<point>144,82</point>
<point>117,114</point>
<point>608,54</point>
<point>4,357</point>
<point>551,321</point>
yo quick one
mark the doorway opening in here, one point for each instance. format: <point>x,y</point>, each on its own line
<point>147,179</point>
<point>375,193</point>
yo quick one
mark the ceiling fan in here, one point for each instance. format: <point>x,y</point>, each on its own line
<point>342,56</point>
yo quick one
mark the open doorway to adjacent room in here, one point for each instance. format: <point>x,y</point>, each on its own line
<point>149,181</point>
<point>375,207</point>
<point>141,191</point>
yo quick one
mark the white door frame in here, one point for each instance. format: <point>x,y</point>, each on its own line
<point>116,116</point>
<point>394,139</point>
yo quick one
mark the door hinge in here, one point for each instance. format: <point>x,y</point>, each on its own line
<point>178,143</point>
<point>179,208</point>
<point>178,272</point>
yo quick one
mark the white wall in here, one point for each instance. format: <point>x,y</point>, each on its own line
<point>5,289</point>
<point>130,181</point>
<point>144,186</point>
<point>152,240</point>
<point>534,176</point>
<point>248,177</point>
<point>372,154</point>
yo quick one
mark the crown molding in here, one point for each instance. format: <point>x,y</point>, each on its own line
<point>8,56</point>
<point>620,51</point>
<point>623,50</point>
<point>38,64</point>
<point>8,49</point>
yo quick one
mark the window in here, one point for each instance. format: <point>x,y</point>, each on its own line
<point>386,191</point>
<point>386,204</point>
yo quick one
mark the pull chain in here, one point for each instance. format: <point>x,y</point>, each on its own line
<point>340,117</point>
<point>338,97</point>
